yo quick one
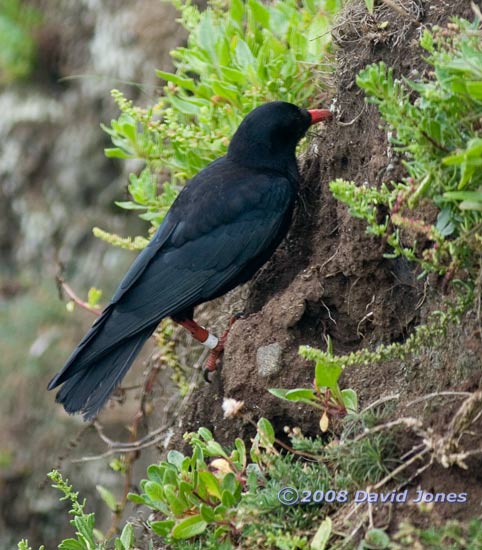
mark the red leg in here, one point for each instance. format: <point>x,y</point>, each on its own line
<point>216,345</point>
<point>199,333</point>
<point>211,363</point>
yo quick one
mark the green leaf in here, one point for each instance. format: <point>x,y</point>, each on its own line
<point>116,153</point>
<point>154,491</point>
<point>220,512</point>
<point>137,499</point>
<point>129,130</point>
<point>72,544</point>
<point>224,90</point>
<point>205,434</point>
<point>471,205</point>
<point>370,5</point>
<point>322,535</point>
<point>156,473</point>
<point>228,499</point>
<point>350,399</point>
<point>206,35</point>
<point>278,392</point>
<point>162,528</point>
<point>176,458</point>
<point>129,205</point>
<point>266,431</point>
<point>327,374</point>
<point>260,12</point>
<point>427,41</point>
<point>244,57</point>
<point>471,200</point>
<point>444,224</point>
<point>297,394</point>
<point>189,527</point>
<point>186,83</point>
<point>85,527</point>
<point>464,195</point>
<point>237,11</point>
<point>213,448</point>
<point>186,464</point>
<point>107,497</point>
<point>94,296</point>
<point>233,75</point>
<point>376,539</point>
<point>184,106</point>
<point>185,491</point>
<point>211,483</point>
<point>241,448</point>
<point>474,89</point>
<point>177,504</point>
<point>151,216</point>
<point>229,483</point>
<point>207,513</point>
<point>127,536</point>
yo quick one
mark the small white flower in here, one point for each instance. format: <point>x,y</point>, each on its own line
<point>231,407</point>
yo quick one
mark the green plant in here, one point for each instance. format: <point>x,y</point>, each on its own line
<point>370,4</point>
<point>439,134</point>
<point>375,539</point>
<point>24,545</point>
<point>87,537</point>
<point>326,394</point>
<point>365,459</point>
<point>217,498</point>
<point>17,44</point>
<point>238,55</point>
<point>193,494</point>
<point>453,535</point>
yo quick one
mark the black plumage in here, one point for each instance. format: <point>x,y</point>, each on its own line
<point>224,225</point>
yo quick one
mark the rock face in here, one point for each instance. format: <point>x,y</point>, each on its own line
<point>55,185</point>
<point>55,182</point>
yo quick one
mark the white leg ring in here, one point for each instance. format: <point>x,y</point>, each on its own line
<point>211,342</point>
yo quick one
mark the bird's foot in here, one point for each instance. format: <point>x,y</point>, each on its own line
<point>215,354</point>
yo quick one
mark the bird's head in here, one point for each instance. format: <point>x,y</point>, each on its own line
<point>268,135</point>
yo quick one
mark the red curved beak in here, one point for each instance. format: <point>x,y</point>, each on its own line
<point>318,115</point>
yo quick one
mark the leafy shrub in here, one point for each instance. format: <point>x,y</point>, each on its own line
<point>238,55</point>
<point>439,134</point>
<point>193,494</point>
<point>219,498</point>
<point>87,537</point>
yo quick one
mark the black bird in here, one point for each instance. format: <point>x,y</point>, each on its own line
<point>224,225</point>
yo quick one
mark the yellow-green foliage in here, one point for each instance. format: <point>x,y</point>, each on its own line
<point>238,55</point>
<point>17,45</point>
<point>439,133</point>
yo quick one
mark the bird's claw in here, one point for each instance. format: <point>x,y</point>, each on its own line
<point>206,374</point>
<point>213,357</point>
<point>215,354</point>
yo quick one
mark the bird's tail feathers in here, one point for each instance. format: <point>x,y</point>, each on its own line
<point>79,361</point>
<point>87,390</point>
